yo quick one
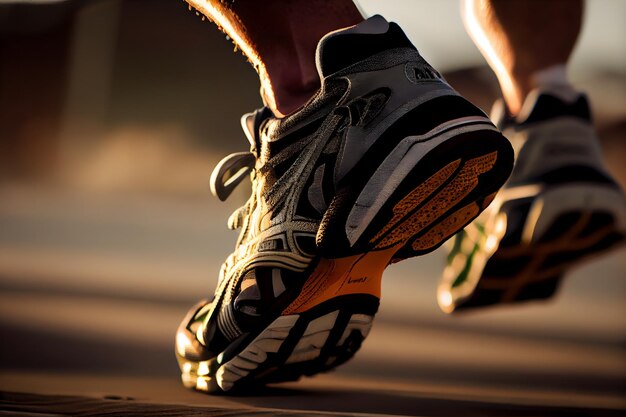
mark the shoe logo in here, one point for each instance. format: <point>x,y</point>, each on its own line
<point>416,72</point>
<point>358,280</point>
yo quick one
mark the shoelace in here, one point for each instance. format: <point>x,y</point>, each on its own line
<point>229,172</point>
<point>227,175</point>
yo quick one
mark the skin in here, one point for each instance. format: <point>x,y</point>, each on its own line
<point>279,37</point>
<point>520,37</point>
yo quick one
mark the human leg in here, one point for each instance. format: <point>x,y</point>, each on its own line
<point>279,38</point>
<point>560,205</point>
<point>521,39</point>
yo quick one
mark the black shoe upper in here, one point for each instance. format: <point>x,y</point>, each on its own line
<point>296,159</point>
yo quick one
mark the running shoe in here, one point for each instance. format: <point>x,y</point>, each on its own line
<point>384,163</point>
<point>559,208</point>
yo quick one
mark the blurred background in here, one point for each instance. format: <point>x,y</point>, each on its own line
<point>112,115</point>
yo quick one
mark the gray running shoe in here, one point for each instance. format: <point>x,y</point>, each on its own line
<point>559,208</point>
<point>384,163</point>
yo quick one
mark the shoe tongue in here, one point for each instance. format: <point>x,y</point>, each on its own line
<point>335,48</point>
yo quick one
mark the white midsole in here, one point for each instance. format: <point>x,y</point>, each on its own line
<point>309,346</point>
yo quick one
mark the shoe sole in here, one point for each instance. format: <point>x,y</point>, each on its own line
<point>558,228</point>
<point>446,187</point>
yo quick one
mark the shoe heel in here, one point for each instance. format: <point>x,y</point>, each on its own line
<point>450,181</point>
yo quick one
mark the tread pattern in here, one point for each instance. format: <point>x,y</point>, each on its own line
<point>453,193</point>
<point>291,346</point>
<point>564,245</point>
<point>509,262</point>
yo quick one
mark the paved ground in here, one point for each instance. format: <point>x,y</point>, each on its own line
<point>93,287</point>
